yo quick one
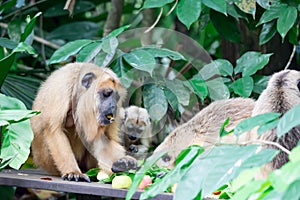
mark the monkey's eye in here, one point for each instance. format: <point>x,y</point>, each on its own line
<point>107,92</point>
<point>298,85</point>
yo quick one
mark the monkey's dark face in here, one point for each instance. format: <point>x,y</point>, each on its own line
<point>108,103</point>
<point>106,90</point>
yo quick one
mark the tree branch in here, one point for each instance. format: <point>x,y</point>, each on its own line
<point>114,16</point>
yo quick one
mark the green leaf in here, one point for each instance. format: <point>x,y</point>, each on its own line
<point>10,103</point>
<point>140,59</point>
<point>103,59</point>
<point>260,83</point>
<point>5,65</point>
<point>24,47</point>
<point>163,52</point>
<point>250,62</point>
<point>289,120</point>
<point>223,132</point>
<point>7,43</point>
<point>292,192</point>
<point>122,71</point>
<point>270,14</point>
<point>190,155</point>
<point>217,89</point>
<point>110,45</point>
<point>14,116</point>
<point>226,26</point>
<point>293,34</point>
<point>218,166</point>
<point>69,49</point>
<point>243,86</point>
<point>156,3</point>
<point>267,32</point>
<point>117,31</point>
<point>188,11</point>
<point>295,154</point>
<point>252,122</point>
<point>155,102</point>
<point>264,3</point>
<point>172,99</point>
<point>29,27</point>
<point>244,178</point>
<point>181,92</point>
<point>92,173</point>
<point>217,5</point>
<point>268,126</point>
<point>142,171</point>
<point>224,66</point>
<point>287,18</point>
<point>199,87</point>
<point>247,6</point>
<point>89,52</point>
<point>245,192</point>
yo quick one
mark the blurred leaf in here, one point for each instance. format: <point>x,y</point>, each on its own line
<point>293,34</point>
<point>260,83</point>
<point>289,120</point>
<point>243,86</point>
<point>292,192</point>
<point>224,66</point>
<point>5,65</point>
<point>155,101</point>
<point>163,52</point>
<point>191,153</point>
<point>226,26</point>
<point>287,18</point>
<point>248,6</point>
<point>267,32</point>
<point>250,62</point>
<point>244,177</point>
<point>217,5</point>
<point>69,49</point>
<point>245,192</point>
<point>252,122</point>
<point>24,47</point>
<point>109,45</point>
<point>14,116</point>
<point>119,67</point>
<point>75,31</point>
<point>217,89</point>
<point>103,59</point>
<point>188,12</point>
<point>142,171</point>
<point>218,166</point>
<point>89,52</point>
<point>29,27</point>
<point>156,3</point>
<point>264,3</point>
<point>7,43</point>
<point>270,14</point>
<point>7,192</point>
<point>268,126</point>
<point>172,99</point>
<point>181,92</point>
<point>295,154</point>
<point>58,8</point>
<point>140,59</point>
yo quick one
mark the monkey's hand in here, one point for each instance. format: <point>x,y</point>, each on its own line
<point>124,164</point>
<point>76,176</point>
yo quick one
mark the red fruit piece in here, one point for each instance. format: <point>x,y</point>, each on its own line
<point>146,182</point>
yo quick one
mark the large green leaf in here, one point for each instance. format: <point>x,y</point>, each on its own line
<point>155,101</point>
<point>218,166</point>
<point>198,86</point>
<point>250,62</point>
<point>140,59</point>
<point>156,3</point>
<point>190,155</point>
<point>287,18</point>
<point>271,14</point>
<point>142,171</point>
<point>89,52</point>
<point>224,66</point>
<point>172,99</point>
<point>181,92</point>
<point>5,64</point>
<point>289,120</point>
<point>69,49</point>
<point>267,32</point>
<point>292,192</point>
<point>252,122</point>
<point>188,11</point>
<point>7,43</point>
<point>109,45</point>
<point>17,134</point>
<point>122,70</point>
<point>217,5</point>
<point>243,86</point>
<point>226,26</point>
<point>260,83</point>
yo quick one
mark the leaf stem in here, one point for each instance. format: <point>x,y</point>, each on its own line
<point>285,150</point>
<point>156,21</point>
<point>291,57</point>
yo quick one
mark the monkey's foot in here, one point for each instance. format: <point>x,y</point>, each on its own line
<point>124,164</point>
<point>73,176</point>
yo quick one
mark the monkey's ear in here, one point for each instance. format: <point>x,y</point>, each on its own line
<point>88,79</point>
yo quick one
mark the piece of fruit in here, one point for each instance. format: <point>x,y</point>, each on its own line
<point>121,182</point>
<point>146,182</point>
<point>102,175</point>
<point>217,192</point>
<point>173,188</point>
